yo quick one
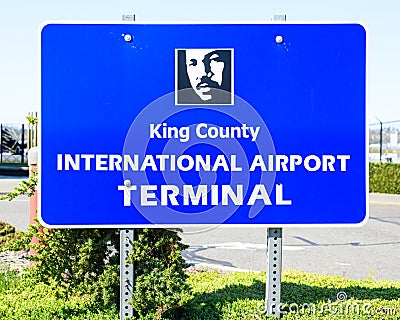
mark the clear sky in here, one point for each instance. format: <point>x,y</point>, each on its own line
<point>20,21</point>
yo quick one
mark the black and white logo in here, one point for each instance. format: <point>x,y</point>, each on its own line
<point>204,76</point>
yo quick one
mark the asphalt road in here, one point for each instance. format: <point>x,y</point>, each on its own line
<point>15,212</point>
<point>372,251</point>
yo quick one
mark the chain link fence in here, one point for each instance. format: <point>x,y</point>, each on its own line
<point>15,141</point>
<point>384,142</point>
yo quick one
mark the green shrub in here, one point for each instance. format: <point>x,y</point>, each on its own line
<point>75,259</point>
<point>160,281</point>
<point>80,261</point>
<point>6,229</point>
<point>8,278</point>
<point>12,240</point>
<point>7,233</point>
<point>384,177</point>
<point>87,260</point>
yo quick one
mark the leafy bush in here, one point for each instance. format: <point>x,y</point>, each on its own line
<point>8,278</point>
<point>6,228</point>
<point>7,233</point>
<point>384,178</point>
<point>76,260</point>
<point>10,239</point>
<point>79,261</point>
<point>87,261</point>
<point>159,273</point>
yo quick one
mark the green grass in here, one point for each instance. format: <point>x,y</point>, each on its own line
<point>47,302</point>
<point>232,296</point>
<point>241,296</point>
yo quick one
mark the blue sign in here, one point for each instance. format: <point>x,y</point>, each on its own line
<point>203,124</point>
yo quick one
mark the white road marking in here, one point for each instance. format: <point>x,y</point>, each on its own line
<point>220,267</point>
<point>246,246</point>
<point>343,264</point>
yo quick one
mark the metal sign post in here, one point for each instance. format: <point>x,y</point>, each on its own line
<point>126,270</point>
<point>126,273</point>
<point>274,257</point>
<point>274,271</point>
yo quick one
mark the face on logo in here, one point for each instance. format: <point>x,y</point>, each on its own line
<point>205,69</point>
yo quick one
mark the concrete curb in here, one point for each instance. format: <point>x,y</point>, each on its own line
<point>383,199</point>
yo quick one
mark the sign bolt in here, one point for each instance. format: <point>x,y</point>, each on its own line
<point>128,38</point>
<point>127,183</point>
<point>279,39</point>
